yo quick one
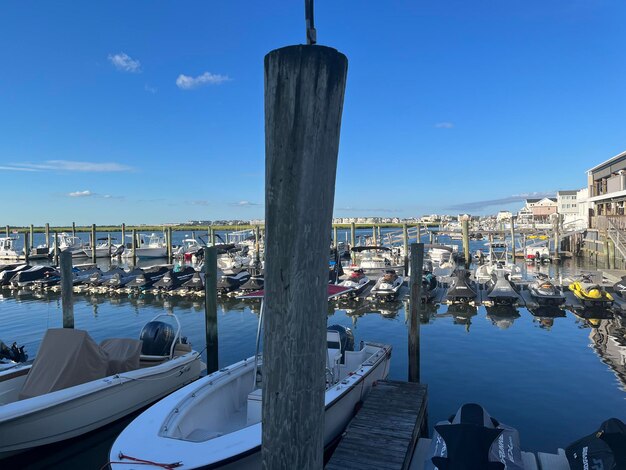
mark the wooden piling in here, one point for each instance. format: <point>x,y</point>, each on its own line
<point>109,243</point>
<point>417,263</point>
<point>466,249</point>
<point>418,237</point>
<point>134,246</point>
<point>524,245</point>
<point>212,236</point>
<point>374,241</point>
<point>124,235</point>
<point>556,240</point>
<point>304,90</point>
<point>93,243</point>
<point>610,254</point>
<point>352,241</point>
<point>169,244</point>
<point>257,243</point>
<point>7,230</point>
<point>513,238</point>
<point>31,242</point>
<point>66,288</point>
<point>73,229</point>
<point>335,240</point>
<point>26,247</point>
<point>56,249</point>
<point>210,308</point>
<point>47,231</point>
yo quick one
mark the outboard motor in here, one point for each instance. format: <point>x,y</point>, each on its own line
<point>157,337</point>
<point>345,337</point>
<point>14,353</point>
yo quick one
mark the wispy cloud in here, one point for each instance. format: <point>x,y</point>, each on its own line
<point>69,165</point>
<point>125,63</point>
<point>366,209</point>
<point>444,125</point>
<point>185,82</point>
<point>85,193</point>
<point>244,204</point>
<point>200,203</point>
<point>478,205</point>
<point>150,89</point>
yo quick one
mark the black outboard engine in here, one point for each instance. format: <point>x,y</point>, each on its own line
<point>157,337</point>
<point>345,337</point>
<point>14,353</point>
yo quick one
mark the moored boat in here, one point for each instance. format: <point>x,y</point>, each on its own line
<point>545,292</point>
<point>388,285</point>
<point>591,295</point>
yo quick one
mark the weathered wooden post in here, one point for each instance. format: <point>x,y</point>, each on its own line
<point>93,243</point>
<point>405,248</point>
<point>466,249</point>
<point>335,240</point>
<point>513,238</point>
<point>353,241</point>
<point>73,229</point>
<point>304,91</point>
<point>124,235</point>
<point>32,237</point>
<point>212,237</point>
<point>380,238</point>
<point>56,249</point>
<point>417,263</point>
<point>556,239</point>
<point>374,241</point>
<point>109,243</point>
<point>67,283</point>
<point>418,237</point>
<point>26,247</point>
<point>47,232</point>
<point>611,254</point>
<point>7,229</point>
<point>524,245</point>
<point>169,244</point>
<point>210,308</point>
<point>134,246</point>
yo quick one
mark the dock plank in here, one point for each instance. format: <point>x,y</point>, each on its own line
<point>384,432</point>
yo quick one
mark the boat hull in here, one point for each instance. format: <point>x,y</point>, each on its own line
<point>77,410</point>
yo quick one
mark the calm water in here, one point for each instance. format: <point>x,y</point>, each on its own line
<point>553,379</point>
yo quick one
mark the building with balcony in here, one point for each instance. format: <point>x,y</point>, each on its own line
<point>606,183</point>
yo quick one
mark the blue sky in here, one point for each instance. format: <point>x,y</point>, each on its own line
<point>152,111</point>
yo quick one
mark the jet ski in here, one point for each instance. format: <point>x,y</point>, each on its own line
<point>620,288</point>
<point>591,295</point>
<point>119,280</point>
<point>148,278</point>
<point>27,277</point>
<point>231,282</point>
<point>500,290</point>
<point>388,285</point>
<point>357,281</point>
<point>7,274</point>
<point>256,282</point>
<point>604,449</point>
<point>429,285</point>
<point>546,293</point>
<point>174,278</point>
<point>461,287</point>
<point>471,439</point>
<point>195,283</point>
<point>98,278</point>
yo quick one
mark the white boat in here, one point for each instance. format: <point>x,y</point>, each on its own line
<point>75,385</point>
<point>71,243</point>
<point>103,249</point>
<point>232,259</point>
<point>375,260</point>
<point>216,421</point>
<point>7,249</point>
<point>357,282</point>
<point>388,285</point>
<point>498,258</point>
<point>152,247</point>
<point>189,248</point>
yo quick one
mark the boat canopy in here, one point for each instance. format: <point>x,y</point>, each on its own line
<point>333,291</point>
<point>358,249</point>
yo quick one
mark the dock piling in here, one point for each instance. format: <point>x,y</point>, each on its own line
<point>417,263</point>
<point>168,237</point>
<point>93,243</point>
<point>124,235</point>
<point>56,249</point>
<point>73,229</point>
<point>6,231</point>
<point>134,246</point>
<point>31,242</point>
<point>352,240</point>
<point>210,308</point>
<point>466,249</point>
<point>47,232</point>
<point>66,289</point>
<point>405,248</point>
<point>26,247</point>
<point>513,238</point>
<point>335,240</point>
<point>304,91</point>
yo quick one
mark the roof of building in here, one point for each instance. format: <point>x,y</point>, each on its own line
<point>609,161</point>
<point>568,192</point>
<point>533,200</point>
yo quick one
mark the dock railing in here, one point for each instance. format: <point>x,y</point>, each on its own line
<point>617,236</point>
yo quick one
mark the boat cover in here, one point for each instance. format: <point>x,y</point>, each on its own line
<point>123,354</point>
<point>66,357</point>
<point>333,291</point>
<point>604,449</point>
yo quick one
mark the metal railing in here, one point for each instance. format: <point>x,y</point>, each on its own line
<point>618,238</point>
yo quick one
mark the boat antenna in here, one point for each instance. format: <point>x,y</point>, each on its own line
<point>311,33</point>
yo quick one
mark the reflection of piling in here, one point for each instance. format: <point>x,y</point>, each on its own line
<point>304,89</point>
<point>417,263</point>
<point>66,289</point>
<point>210,308</point>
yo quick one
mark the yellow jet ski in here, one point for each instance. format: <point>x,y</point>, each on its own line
<point>591,296</point>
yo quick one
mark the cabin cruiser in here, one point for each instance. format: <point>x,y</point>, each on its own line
<point>153,246</point>
<point>189,248</point>
<point>461,288</point>
<point>357,282</point>
<point>215,422</point>
<point>8,250</point>
<point>388,285</point>
<point>545,292</point>
<point>500,291</point>
<point>91,384</point>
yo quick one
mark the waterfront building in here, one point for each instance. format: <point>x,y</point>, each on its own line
<point>606,183</point>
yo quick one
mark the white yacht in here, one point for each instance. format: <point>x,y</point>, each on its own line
<point>8,249</point>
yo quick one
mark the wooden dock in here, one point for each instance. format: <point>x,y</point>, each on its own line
<point>384,432</point>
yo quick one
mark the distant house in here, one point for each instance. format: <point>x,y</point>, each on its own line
<point>537,210</point>
<point>504,215</point>
<point>606,185</point>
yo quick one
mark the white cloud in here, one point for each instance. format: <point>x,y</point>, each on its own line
<point>69,165</point>
<point>150,89</point>
<point>85,193</point>
<point>125,63</point>
<point>244,204</point>
<point>12,168</point>
<point>185,82</point>
<point>444,125</point>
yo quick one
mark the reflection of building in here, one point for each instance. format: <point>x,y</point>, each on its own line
<point>609,342</point>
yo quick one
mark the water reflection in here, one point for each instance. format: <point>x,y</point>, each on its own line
<point>544,316</point>
<point>609,343</point>
<point>502,316</point>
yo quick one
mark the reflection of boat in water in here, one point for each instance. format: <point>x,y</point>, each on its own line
<point>609,343</point>
<point>594,315</point>
<point>462,313</point>
<point>546,314</point>
<point>502,316</point>
<point>388,309</point>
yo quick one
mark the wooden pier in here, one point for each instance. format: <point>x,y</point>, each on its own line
<point>385,431</point>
